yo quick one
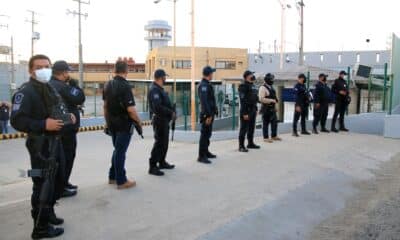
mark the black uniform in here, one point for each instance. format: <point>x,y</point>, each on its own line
<point>269,113</point>
<point>341,103</point>
<point>208,109</point>
<point>162,112</point>
<point>73,96</point>
<point>248,94</point>
<point>302,101</point>
<point>33,103</point>
<point>321,97</point>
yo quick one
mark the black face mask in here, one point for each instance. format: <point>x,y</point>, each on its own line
<point>269,82</point>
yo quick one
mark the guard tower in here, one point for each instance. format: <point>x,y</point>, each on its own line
<point>158,33</point>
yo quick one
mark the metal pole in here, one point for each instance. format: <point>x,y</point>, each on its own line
<point>174,60</point>
<point>95,100</point>
<point>391,95</point>
<point>384,88</point>
<point>233,106</point>
<point>348,87</point>
<point>308,80</point>
<point>33,31</point>
<point>12,68</point>
<point>301,47</point>
<point>193,91</point>
<point>282,36</point>
<point>80,46</point>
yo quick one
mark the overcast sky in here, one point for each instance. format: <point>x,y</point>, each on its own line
<point>116,28</point>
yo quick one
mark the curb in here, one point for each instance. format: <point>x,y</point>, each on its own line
<point>81,129</point>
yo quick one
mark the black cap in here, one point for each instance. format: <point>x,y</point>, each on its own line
<point>302,76</point>
<point>322,75</point>
<point>61,66</point>
<point>343,73</point>
<point>160,73</point>
<point>208,70</point>
<point>269,77</point>
<point>247,73</point>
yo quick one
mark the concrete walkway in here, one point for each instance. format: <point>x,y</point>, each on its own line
<point>279,192</point>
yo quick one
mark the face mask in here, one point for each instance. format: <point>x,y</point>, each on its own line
<point>43,75</point>
<point>269,82</point>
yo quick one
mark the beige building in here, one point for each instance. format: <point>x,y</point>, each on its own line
<point>230,62</point>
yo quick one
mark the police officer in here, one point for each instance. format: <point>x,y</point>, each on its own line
<point>339,88</point>
<point>37,110</point>
<point>301,106</point>
<point>248,111</point>
<point>162,113</point>
<point>121,116</point>
<point>73,96</point>
<point>208,111</point>
<point>267,97</point>
<point>321,104</point>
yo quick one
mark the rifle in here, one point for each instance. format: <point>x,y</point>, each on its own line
<point>48,174</point>
<point>138,129</point>
<point>173,123</point>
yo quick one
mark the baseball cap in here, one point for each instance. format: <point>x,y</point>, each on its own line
<point>342,73</point>
<point>61,66</point>
<point>208,70</point>
<point>247,73</point>
<point>302,76</point>
<point>159,73</point>
<point>322,75</point>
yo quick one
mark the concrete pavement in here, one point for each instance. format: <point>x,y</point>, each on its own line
<point>279,192</point>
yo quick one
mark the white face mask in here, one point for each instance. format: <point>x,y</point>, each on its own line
<point>43,75</point>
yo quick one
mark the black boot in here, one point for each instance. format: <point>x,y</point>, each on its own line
<point>210,155</point>
<point>53,219</point>
<point>203,160</point>
<point>155,171</point>
<point>324,130</point>
<point>295,134</point>
<point>252,145</point>
<point>243,149</point>
<point>315,131</point>
<point>305,132</point>
<point>47,231</point>
<point>166,165</point>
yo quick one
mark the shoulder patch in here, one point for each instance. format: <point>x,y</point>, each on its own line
<point>74,92</point>
<point>204,88</point>
<point>18,98</point>
<point>156,96</point>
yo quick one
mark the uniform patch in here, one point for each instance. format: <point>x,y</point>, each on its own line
<point>18,98</point>
<point>74,92</point>
<point>204,89</point>
<point>15,107</point>
<point>156,96</point>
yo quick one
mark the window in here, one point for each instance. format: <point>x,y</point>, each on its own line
<point>322,57</point>
<point>225,65</point>
<point>378,57</point>
<point>163,62</point>
<point>339,58</point>
<point>358,58</point>
<point>183,64</point>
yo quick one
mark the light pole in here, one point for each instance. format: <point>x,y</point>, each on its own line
<point>283,31</point>
<point>80,14</point>
<point>301,46</point>
<point>193,69</point>
<point>35,35</point>
<point>174,59</point>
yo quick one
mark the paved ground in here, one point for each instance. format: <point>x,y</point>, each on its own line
<point>282,191</point>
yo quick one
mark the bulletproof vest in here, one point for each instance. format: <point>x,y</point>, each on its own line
<point>59,110</point>
<point>272,94</point>
<point>253,94</point>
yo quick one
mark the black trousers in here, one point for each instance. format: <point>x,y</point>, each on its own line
<point>270,118</point>
<point>247,128</point>
<point>160,147</point>
<point>320,115</point>
<point>340,110</point>
<point>56,187</point>
<point>69,143</point>
<point>205,135</point>
<point>303,114</point>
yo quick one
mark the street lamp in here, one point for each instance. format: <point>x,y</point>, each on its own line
<point>284,6</point>
<point>174,59</point>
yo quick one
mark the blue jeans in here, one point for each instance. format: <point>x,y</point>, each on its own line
<point>4,126</point>
<point>121,142</point>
